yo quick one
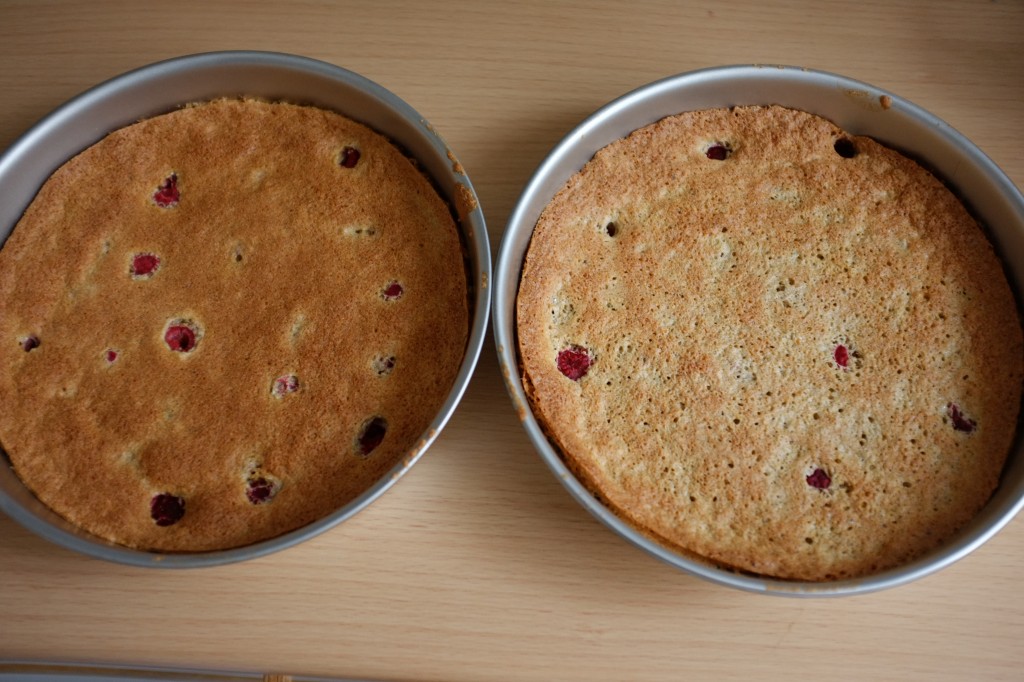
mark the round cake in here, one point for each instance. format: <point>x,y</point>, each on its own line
<point>772,345</point>
<point>226,322</point>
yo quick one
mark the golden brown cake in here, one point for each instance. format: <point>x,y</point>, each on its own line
<point>226,322</point>
<point>770,344</point>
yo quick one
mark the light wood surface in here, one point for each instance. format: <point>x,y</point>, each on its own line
<point>478,565</point>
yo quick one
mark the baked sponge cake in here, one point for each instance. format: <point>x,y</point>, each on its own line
<point>770,344</point>
<point>223,323</point>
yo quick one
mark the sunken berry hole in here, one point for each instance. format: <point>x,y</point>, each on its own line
<point>166,509</point>
<point>717,152</point>
<point>181,337</point>
<point>30,342</point>
<point>167,195</point>
<point>283,385</point>
<point>392,292</point>
<point>349,157</point>
<point>372,435</point>
<point>574,362</point>
<point>845,148</point>
<point>819,479</point>
<point>383,364</point>
<point>961,422</point>
<point>611,229</point>
<point>260,490</point>
<point>144,265</point>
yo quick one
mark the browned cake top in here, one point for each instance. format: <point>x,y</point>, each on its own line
<point>768,343</point>
<point>224,323</point>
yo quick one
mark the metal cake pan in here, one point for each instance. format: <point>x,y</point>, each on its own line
<point>165,86</point>
<point>858,108</point>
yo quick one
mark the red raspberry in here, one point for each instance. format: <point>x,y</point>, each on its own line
<point>283,385</point>
<point>842,356</point>
<point>393,291</point>
<point>260,490</point>
<point>349,157</point>
<point>144,265</point>
<point>372,435</point>
<point>819,479</point>
<point>717,152</point>
<point>166,509</point>
<point>574,362</point>
<point>180,338</point>
<point>167,194</point>
<point>961,422</point>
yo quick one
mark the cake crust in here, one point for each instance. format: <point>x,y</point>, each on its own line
<point>800,354</point>
<point>305,374</point>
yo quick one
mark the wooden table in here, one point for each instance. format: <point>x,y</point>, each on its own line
<point>478,565</point>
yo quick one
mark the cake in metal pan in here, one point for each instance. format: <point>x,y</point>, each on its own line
<point>770,344</point>
<point>224,323</point>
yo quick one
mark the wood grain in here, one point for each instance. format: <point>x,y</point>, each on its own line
<point>478,565</point>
